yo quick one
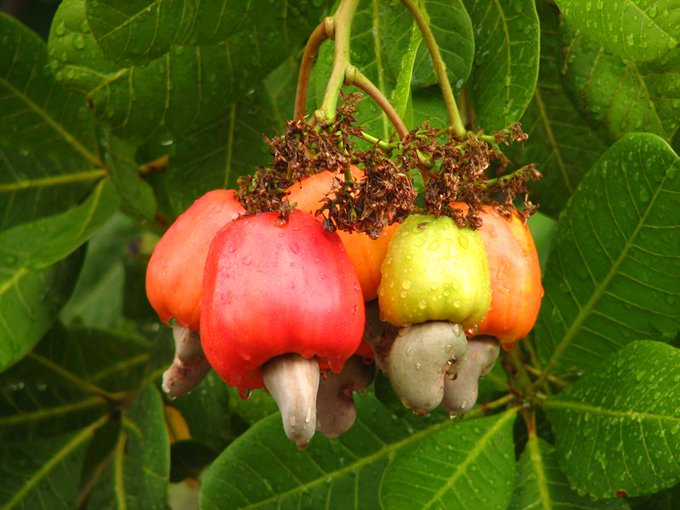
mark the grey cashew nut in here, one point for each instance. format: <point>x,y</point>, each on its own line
<point>420,358</point>
<point>189,366</point>
<point>293,382</point>
<point>460,393</point>
<point>335,410</point>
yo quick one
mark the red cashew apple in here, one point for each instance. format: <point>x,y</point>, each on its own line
<point>281,301</point>
<point>174,277</point>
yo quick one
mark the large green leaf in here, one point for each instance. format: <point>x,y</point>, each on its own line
<point>97,300</point>
<point>619,96</point>
<point>454,468</point>
<point>618,428</point>
<point>187,87</point>
<point>216,155</point>
<point>68,381</point>
<point>137,477</point>
<point>137,194</point>
<point>263,469</point>
<point>135,32</point>
<point>506,60</point>
<point>43,242</point>
<point>44,473</point>
<point>541,484</point>
<point>561,143</point>
<point>636,30</point>
<point>612,275</point>
<point>33,185</point>
<point>207,412</point>
<point>29,303</point>
<point>35,112</point>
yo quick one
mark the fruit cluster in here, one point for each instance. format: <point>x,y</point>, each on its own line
<point>283,303</point>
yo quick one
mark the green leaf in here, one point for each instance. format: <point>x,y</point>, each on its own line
<point>455,467</point>
<point>263,469</point>
<point>452,29</point>
<point>97,300</point>
<point>135,32</point>
<point>47,470</point>
<point>43,242</point>
<point>506,61</point>
<point>36,113</point>
<point>135,191</point>
<point>206,411</point>
<point>216,155</point>
<point>137,477</point>
<point>428,105</point>
<point>36,185</point>
<point>542,484</point>
<point>619,96</point>
<point>561,143</point>
<point>636,30</point>
<point>617,428</point>
<point>664,500</point>
<point>189,86</point>
<point>29,303</point>
<point>612,275</point>
<point>67,381</point>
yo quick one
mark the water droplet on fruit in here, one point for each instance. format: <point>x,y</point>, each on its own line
<point>406,284</point>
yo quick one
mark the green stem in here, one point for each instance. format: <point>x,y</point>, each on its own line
<point>455,122</point>
<point>520,375</point>
<point>381,144</point>
<point>342,23</point>
<point>354,77</point>
<point>320,35</point>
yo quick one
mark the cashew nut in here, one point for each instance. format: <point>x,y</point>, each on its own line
<point>293,382</point>
<point>335,410</point>
<point>189,366</point>
<point>419,360</point>
<point>460,392</point>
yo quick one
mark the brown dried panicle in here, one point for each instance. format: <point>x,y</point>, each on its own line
<point>304,148</point>
<point>384,196</point>
<point>459,173</point>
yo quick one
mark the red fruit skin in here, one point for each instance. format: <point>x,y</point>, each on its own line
<point>516,289</point>
<point>271,289</point>
<point>365,253</point>
<point>174,275</point>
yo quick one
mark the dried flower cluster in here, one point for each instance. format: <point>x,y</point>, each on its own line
<point>455,169</point>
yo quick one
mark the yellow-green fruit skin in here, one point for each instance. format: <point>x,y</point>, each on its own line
<point>434,271</point>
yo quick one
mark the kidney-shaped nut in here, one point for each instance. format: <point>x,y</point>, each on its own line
<point>460,392</point>
<point>419,360</point>
<point>293,382</point>
<point>189,366</point>
<point>335,410</point>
